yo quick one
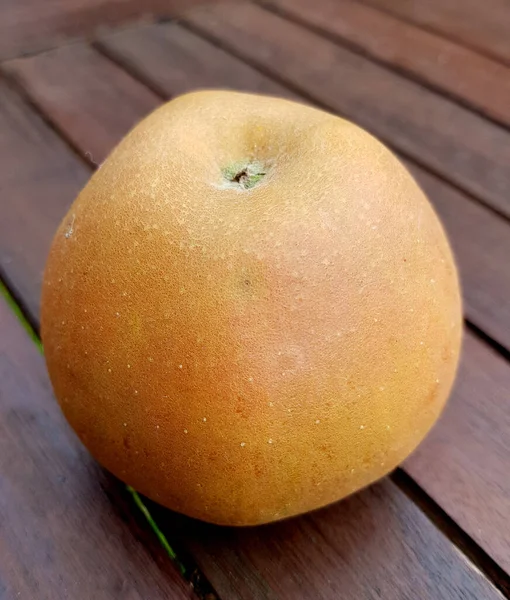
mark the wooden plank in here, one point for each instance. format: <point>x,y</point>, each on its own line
<point>39,178</point>
<point>173,61</point>
<point>66,527</point>
<point>464,462</point>
<point>97,95</point>
<point>481,25</point>
<point>375,544</point>
<point>456,143</point>
<point>463,73</point>
<point>480,239</point>
<point>29,26</point>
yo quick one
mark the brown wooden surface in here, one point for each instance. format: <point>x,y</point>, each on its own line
<point>28,26</point>
<point>39,178</point>
<point>479,237</point>
<point>464,463</point>
<point>481,25</point>
<point>95,80</point>
<point>66,527</point>
<point>174,61</point>
<point>465,74</point>
<point>456,143</point>
<point>377,544</point>
<point>374,545</point>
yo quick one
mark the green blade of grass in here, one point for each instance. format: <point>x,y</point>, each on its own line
<point>4,292</point>
<point>160,535</point>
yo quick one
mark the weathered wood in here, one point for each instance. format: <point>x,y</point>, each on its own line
<point>173,61</point>
<point>464,462</point>
<point>79,90</point>
<point>374,545</point>
<point>460,72</point>
<point>28,26</point>
<point>481,25</point>
<point>66,526</point>
<point>456,143</point>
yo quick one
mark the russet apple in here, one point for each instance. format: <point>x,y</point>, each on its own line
<point>251,310</point>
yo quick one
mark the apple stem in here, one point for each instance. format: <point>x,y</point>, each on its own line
<point>244,175</point>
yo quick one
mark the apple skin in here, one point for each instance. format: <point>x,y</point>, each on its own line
<point>251,310</point>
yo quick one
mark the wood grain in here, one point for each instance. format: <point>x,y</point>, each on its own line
<point>39,178</point>
<point>481,25</point>
<point>464,462</point>
<point>66,530</point>
<point>94,95</point>
<point>456,143</point>
<point>373,545</point>
<point>460,72</point>
<point>29,26</point>
<point>173,61</point>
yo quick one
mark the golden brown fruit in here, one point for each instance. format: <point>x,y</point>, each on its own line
<point>251,310</point>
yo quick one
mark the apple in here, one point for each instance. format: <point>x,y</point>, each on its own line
<point>251,310</point>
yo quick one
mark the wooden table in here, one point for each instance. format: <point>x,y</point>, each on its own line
<point>432,80</point>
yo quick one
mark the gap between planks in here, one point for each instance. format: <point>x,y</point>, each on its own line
<point>58,131</point>
<point>130,69</point>
<point>465,544</point>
